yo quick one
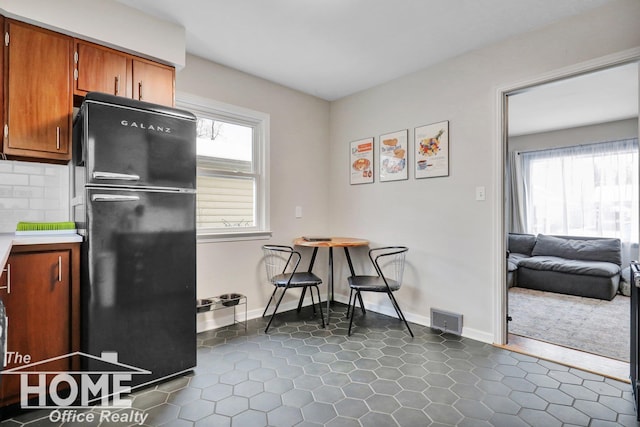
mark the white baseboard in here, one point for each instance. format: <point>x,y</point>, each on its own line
<point>388,310</point>
<point>224,317</point>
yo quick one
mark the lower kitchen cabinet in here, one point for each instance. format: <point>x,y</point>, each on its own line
<point>40,291</point>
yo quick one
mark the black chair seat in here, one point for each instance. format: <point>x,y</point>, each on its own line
<point>390,259</point>
<point>282,264</point>
<point>372,284</point>
<point>298,280</point>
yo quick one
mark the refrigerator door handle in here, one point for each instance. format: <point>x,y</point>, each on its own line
<point>113,198</point>
<point>116,176</point>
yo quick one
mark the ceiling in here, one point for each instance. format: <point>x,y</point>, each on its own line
<point>333,48</point>
<point>592,98</point>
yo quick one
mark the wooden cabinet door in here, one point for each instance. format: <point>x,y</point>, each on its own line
<point>38,307</point>
<point>102,70</point>
<point>39,97</point>
<point>153,82</point>
<point>3,280</point>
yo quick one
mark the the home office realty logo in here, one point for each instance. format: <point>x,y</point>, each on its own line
<point>67,393</point>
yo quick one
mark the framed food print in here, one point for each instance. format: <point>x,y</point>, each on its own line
<point>393,156</point>
<point>361,161</point>
<point>432,150</point>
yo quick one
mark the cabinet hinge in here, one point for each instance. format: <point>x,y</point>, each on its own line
<point>6,38</point>
<point>75,74</point>
<point>75,57</point>
<point>6,131</point>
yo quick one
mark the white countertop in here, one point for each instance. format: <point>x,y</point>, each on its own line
<point>7,240</point>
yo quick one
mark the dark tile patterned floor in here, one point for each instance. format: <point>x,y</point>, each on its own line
<point>302,375</point>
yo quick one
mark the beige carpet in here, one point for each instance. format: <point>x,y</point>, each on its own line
<point>587,324</point>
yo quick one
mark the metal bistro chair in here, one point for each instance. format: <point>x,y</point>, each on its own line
<point>282,265</point>
<point>389,264</point>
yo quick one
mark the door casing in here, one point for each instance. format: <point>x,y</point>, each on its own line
<point>501,115</point>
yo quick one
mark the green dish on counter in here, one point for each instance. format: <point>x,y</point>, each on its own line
<point>38,227</point>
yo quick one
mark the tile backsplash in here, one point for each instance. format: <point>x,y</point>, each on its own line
<point>32,192</point>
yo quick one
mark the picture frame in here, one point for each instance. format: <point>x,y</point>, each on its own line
<point>361,161</point>
<point>393,156</point>
<point>431,150</point>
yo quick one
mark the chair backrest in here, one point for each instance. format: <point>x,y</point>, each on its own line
<point>389,262</point>
<point>279,259</point>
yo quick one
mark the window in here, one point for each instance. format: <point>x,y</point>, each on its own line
<point>232,174</point>
<point>587,190</point>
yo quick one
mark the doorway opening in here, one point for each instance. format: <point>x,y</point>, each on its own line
<point>561,181</point>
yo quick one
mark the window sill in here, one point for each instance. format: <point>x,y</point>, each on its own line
<point>233,237</point>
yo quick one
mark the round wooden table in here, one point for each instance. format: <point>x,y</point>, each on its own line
<point>330,242</point>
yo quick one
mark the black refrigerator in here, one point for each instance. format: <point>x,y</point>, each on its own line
<point>134,168</point>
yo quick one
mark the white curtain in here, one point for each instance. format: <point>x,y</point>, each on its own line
<point>586,190</point>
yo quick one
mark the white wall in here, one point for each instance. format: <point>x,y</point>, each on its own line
<point>299,170</point>
<point>452,237</point>
<point>107,22</point>
<point>612,131</point>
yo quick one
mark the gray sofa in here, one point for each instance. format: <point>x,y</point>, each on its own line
<point>583,266</point>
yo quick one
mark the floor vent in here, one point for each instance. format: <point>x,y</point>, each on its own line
<point>446,321</point>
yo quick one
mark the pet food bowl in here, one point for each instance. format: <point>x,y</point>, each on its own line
<point>229,300</point>
<point>203,305</point>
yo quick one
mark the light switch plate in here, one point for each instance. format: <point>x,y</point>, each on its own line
<point>298,211</point>
<point>480,193</point>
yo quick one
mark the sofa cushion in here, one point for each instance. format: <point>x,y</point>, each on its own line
<point>521,243</point>
<point>515,257</point>
<point>570,266</point>
<point>598,249</point>
<point>565,283</point>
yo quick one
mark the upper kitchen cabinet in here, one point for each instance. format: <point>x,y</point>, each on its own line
<point>153,82</point>
<point>38,101</point>
<point>100,69</point>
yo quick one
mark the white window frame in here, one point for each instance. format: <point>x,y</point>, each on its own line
<point>259,121</point>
